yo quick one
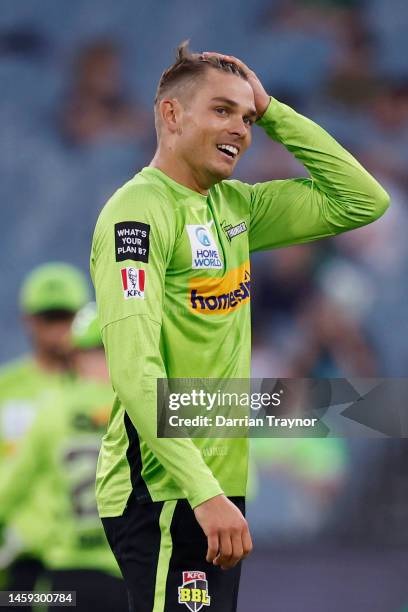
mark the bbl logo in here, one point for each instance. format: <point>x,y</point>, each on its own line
<point>194,591</point>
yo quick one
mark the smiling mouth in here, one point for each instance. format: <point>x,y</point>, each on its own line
<point>228,150</point>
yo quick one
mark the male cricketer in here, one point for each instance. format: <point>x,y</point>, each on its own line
<point>170,264</point>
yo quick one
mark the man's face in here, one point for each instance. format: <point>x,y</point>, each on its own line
<point>219,114</point>
<point>50,332</point>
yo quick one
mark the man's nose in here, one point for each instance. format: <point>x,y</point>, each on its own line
<point>238,128</point>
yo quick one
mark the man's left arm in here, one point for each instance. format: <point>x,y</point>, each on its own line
<point>340,194</point>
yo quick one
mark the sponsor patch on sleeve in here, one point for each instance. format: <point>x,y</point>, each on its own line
<point>132,241</point>
<point>133,283</point>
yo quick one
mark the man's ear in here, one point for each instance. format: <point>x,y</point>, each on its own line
<point>171,113</point>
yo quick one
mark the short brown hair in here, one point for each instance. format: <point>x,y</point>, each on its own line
<point>189,66</point>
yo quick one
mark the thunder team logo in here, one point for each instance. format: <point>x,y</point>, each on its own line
<point>193,593</point>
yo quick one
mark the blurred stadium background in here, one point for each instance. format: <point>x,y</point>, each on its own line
<point>77,83</point>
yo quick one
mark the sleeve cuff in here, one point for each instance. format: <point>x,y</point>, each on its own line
<point>198,497</point>
<point>269,115</point>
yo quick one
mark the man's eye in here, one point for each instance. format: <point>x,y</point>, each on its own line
<point>248,120</point>
<point>221,111</point>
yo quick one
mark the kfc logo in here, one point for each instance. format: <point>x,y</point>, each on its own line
<point>133,282</point>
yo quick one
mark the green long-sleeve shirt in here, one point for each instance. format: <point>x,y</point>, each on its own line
<point>172,277</point>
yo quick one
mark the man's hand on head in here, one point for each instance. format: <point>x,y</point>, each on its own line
<point>261,97</point>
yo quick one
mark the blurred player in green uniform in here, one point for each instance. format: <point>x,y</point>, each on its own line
<point>50,296</point>
<point>59,456</point>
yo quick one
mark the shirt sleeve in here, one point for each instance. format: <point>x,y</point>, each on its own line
<point>131,329</point>
<point>340,194</point>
